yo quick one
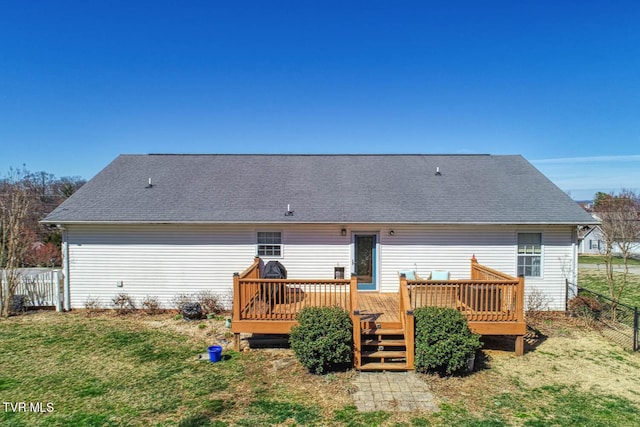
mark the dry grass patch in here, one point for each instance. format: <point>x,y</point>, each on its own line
<point>144,370</point>
<point>566,359</point>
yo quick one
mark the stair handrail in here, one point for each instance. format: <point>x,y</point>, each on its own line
<point>355,320</point>
<point>408,321</point>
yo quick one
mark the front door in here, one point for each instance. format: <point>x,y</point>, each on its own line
<point>365,261</point>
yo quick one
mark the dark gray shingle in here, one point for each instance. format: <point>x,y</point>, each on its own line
<point>321,189</point>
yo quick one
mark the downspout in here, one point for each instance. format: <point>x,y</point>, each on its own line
<point>65,269</point>
<point>574,266</point>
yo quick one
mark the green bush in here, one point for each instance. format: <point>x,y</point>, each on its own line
<point>323,339</point>
<point>444,342</point>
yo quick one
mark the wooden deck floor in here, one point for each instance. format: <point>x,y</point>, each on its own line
<point>379,307</point>
<point>374,307</point>
<point>286,305</point>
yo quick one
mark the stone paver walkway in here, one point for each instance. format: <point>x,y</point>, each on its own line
<point>392,391</point>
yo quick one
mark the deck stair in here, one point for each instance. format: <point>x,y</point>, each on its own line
<point>383,347</point>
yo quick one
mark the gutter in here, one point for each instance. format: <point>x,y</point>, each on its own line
<point>65,270</point>
<point>169,222</point>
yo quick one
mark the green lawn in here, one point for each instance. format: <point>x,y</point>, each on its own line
<point>596,280</point>
<point>124,371</point>
<point>599,259</point>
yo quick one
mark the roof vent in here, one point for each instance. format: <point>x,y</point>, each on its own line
<point>438,171</point>
<point>150,185</point>
<point>289,212</point>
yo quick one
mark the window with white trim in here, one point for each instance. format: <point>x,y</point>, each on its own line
<point>530,254</point>
<point>269,243</point>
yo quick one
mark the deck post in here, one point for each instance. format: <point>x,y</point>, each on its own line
<point>408,322</point>
<point>236,342</point>
<point>519,345</point>
<point>474,265</point>
<point>236,310</point>
<point>355,319</point>
<point>520,315</point>
<point>353,294</point>
<point>256,273</point>
<point>410,339</point>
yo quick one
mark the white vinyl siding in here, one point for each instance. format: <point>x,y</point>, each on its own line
<point>427,248</point>
<point>165,260</point>
<point>558,265</point>
<point>157,260</point>
<point>312,251</point>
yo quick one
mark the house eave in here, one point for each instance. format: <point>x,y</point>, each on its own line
<point>160,222</point>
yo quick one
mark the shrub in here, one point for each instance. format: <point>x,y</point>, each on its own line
<point>537,301</point>
<point>192,311</point>
<point>123,303</point>
<point>180,300</point>
<point>150,304</point>
<point>323,339</point>
<point>585,307</point>
<point>92,305</point>
<point>210,302</point>
<point>444,342</point>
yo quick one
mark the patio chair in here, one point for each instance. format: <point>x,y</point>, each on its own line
<point>439,275</point>
<point>412,275</point>
<point>409,274</point>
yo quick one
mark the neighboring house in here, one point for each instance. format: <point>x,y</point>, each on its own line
<point>167,224</point>
<point>593,242</point>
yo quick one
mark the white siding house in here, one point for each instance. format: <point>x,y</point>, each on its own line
<point>205,217</point>
<point>592,243</point>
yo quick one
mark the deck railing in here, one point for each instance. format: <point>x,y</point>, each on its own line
<point>489,295</point>
<point>482,272</point>
<point>245,293</point>
<point>257,298</point>
<point>355,320</point>
<point>408,321</point>
<point>253,271</point>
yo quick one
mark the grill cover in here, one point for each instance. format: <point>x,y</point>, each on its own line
<point>274,270</point>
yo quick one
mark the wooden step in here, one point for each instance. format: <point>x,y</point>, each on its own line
<point>386,354</point>
<point>386,343</point>
<point>380,325</point>
<point>389,366</point>
<point>382,331</point>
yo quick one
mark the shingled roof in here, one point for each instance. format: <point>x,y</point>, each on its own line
<point>468,189</point>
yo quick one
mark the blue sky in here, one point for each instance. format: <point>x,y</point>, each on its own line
<point>558,82</point>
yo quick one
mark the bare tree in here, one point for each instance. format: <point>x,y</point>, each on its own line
<point>15,201</point>
<point>620,225</point>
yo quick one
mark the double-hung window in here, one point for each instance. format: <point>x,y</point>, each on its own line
<point>530,254</point>
<point>269,243</point>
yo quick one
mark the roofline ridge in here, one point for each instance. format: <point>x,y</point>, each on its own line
<point>326,155</point>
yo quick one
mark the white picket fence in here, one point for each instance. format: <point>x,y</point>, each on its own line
<point>41,286</point>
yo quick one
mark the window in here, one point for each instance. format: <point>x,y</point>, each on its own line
<point>594,244</point>
<point>529,254</point>
<point>269,243</point>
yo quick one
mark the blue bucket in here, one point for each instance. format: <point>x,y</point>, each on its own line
<point>215,353</point>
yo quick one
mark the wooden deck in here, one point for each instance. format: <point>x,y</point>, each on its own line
<point>379,307</point>
<point>289,302</point>
<point>492,302</point>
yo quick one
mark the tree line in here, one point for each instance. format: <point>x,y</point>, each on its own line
<point>26,198</point>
